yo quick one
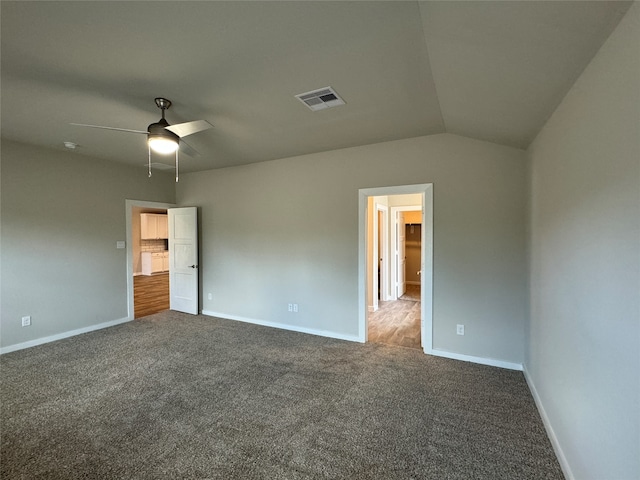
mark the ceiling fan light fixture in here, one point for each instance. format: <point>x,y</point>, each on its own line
<point>162,144</point>
<point>160,139</point>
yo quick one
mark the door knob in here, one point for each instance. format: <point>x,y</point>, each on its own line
<point>193,266</point>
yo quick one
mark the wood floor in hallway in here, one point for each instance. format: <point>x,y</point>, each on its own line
<point>150,294</point>
<point>396,323</point>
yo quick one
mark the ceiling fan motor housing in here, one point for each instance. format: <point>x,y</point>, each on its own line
<point>157,130</point>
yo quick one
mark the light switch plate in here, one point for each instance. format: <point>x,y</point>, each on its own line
<point>120,244</point>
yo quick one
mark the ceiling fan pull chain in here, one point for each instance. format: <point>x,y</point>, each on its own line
<point>149,161</point>
<point>177,165</point>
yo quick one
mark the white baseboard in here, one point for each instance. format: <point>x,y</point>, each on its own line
<point>412,282</point>
<point>562,460</point>
<point>470,358</point>
<point>354,338</point>
<point>284,326</point>
<point>60,336</point>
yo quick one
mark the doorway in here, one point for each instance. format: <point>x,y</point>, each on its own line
<point>148,284</point>
<point>395,319</point>
<point>150,261</point>
<point>417,302</point>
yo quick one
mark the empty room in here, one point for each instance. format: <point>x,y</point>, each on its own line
<point>211,213</point>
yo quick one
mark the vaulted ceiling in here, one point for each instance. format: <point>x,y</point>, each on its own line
<point>488,70</point>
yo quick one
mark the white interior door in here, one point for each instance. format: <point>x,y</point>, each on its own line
<point>402,255</point>
<point>375,265</point>
<point>383,227</point>
<point>183,259</point>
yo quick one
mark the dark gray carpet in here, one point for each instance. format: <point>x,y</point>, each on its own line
<point>177,396</point>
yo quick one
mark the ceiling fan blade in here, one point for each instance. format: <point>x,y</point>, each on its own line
<point>188,149</point>
<point>109,128</point>
<point>189,128</point>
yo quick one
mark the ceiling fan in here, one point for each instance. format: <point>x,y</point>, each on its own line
<point>162,137</point>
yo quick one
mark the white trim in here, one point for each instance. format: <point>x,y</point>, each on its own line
<point>284,326</point>
<point>374,260</point>
<point>562,459</point>
<point>379,267</point>
<point>129,205</point>
<point>426,269</point>
<point>63,335</point>
<point>384,249</point>
<point>470,358</point>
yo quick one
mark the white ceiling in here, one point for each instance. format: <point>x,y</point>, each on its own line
<point>488,70</point>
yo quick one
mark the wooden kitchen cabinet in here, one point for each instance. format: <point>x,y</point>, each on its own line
<point>153,226</point>
<point>155,262</point>
<point>163,226</point>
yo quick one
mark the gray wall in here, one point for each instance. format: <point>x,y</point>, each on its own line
<point>62,214</point>
<point>583,340</point>
<point>286,231</point>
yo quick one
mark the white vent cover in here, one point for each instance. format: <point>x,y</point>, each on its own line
<point>320,99</point>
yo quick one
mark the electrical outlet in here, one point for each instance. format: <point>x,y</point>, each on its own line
<point>291,307</point>
<point>295,307</point>
<point>460,329</point>
<point>26,321</point>
<point>210,296</point>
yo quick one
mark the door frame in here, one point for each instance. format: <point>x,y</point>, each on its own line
<point>426,292</point>
<point>129,205</point>
<point>379,262</point>
<point>394,246</point>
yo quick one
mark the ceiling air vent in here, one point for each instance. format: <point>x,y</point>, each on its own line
<point>320,99</point>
